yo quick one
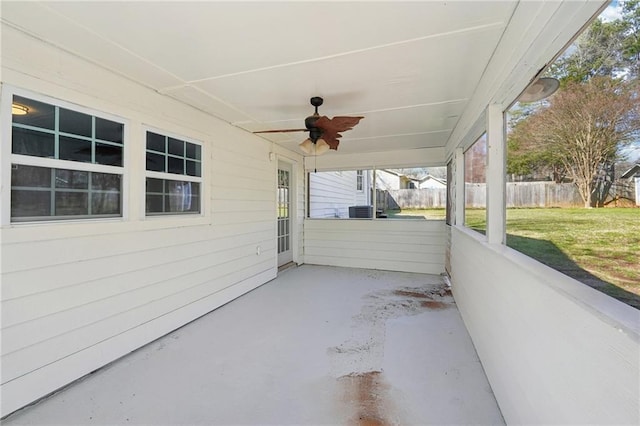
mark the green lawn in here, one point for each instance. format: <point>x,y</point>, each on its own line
<point>600,247</point>
<point>417,214</point>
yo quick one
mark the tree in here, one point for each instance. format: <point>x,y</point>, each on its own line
<point>596,52</point>
<point>583,127</point>
<point>526,158</point>
<point>604,48</point>
<point>630,28</point>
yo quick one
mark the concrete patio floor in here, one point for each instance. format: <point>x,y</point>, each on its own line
<point>317,345</point>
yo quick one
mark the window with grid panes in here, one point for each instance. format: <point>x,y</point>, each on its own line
<point>65,163</point>
<point>174,175</point>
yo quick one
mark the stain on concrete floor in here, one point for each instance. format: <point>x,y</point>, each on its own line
<point>357,362</point>
<point>367,393</point>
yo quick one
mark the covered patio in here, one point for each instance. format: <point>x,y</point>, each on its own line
<point>317,345</point>
<point>136,198</point>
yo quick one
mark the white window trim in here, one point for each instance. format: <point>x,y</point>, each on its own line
<point>172,176</point>
<point>362,183</point>
<point>8,158</point>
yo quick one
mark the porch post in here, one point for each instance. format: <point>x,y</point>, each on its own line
<point>374,195</point>
<point>459,187</point>
<point>496,173</point>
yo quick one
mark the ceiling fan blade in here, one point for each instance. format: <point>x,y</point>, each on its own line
<point>337,124</point>
<point>282,131</point>
<point>331,138</point>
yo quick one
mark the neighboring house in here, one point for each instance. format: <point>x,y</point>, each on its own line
<point>633,175</point>
<point>431,182</point>
<point>332,193</point>
<point>388,180</point>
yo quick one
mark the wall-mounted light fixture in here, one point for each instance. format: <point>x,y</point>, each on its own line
<point>539,89</point>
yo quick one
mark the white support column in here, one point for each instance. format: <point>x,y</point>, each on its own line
<point>458,178</point>
<point>496,173</point>
<point>374,195</point>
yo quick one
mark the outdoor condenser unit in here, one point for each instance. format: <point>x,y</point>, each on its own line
<point>361,212</point>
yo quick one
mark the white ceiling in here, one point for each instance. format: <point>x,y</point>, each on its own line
<point>412,69</point>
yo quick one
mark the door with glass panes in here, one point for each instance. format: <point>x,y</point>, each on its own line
<point>285,213</point>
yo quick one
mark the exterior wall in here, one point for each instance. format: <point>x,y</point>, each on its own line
<point>394,245</point>
<point>554,350</point>
<point>331,194</point>
<point>363,198</point>
<point>78,295</point>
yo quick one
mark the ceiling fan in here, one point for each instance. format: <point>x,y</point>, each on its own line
<point>324,132</point>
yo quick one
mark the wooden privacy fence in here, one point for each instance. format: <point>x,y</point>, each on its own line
<point>412,198</point>
<point>518,194</point>
<point>551,194</point>
<point>543,194</point>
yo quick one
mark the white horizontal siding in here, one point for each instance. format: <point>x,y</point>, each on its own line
<point>49,377</point>
<point>555,350</point>
<point>331,193</point>
<point>77,295</point>
<point>395,245</point>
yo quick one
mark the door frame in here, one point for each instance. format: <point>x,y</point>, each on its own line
<point>293,206</point>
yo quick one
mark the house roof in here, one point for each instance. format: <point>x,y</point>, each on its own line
<point>391,172</point>
<point>421,73</point>
<point>429,177</point>
<point>632,172</point>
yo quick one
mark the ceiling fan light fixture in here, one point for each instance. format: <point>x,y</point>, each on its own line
<point>307,146</point>
<point>17,109</point>
<point>321,146</point>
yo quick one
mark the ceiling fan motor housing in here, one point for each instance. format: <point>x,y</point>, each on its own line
<point>314,132</point>
<point>310,122</point>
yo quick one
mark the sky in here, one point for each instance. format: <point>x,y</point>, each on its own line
<point>612,12</point>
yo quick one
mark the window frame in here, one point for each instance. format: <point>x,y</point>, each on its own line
<point>171,176</point>
<point>360,180</point>
<point>483,138</point>
<point>8,158</point>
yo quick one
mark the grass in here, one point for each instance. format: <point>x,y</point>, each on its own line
<point>417,214</point>
<point>600,247</point>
